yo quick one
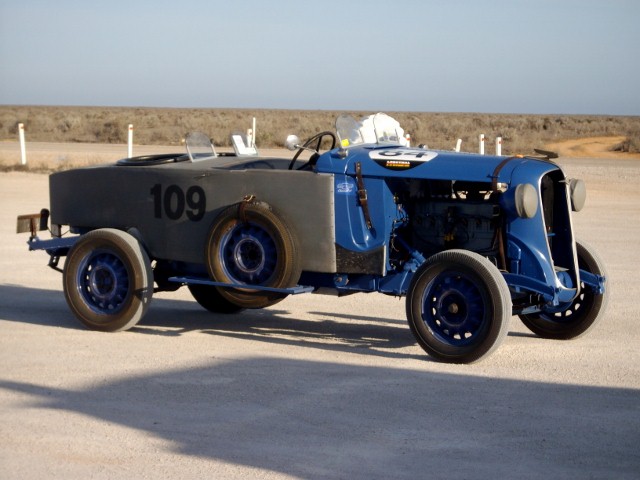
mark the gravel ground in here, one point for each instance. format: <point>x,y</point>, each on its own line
<point>316,386</point>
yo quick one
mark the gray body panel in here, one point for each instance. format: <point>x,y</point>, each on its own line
<point>126,197</point>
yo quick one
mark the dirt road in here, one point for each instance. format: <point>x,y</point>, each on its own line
<point>57,156</point>
<point>316,386</point>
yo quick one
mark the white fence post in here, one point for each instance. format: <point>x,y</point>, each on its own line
<point>250,140</point>
<point>482,144</point>
<point>458,145</point>
<point>130,141</point>
<point>23,147</point>
<point>253,132</point>
<point>498,146</point>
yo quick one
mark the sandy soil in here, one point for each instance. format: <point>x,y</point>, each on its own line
<point>594,147</point>
<point>316,386</point>
<point>46,156</point>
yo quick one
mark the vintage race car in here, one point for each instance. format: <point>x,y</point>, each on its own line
<point>470,240</point>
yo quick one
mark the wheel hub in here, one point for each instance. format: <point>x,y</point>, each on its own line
<point>249,256</point>
<point>102,282</point>
<point>452,309</point>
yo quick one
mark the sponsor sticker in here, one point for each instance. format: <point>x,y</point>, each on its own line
<point>400,158</point>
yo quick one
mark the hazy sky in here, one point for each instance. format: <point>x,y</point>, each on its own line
<point>511,56</point>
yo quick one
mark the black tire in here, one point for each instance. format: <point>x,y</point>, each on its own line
<point>458,306</point>
<point>250,244</point>
<point>582,314</point>
<point>209,298</point>
<point>108,280</point>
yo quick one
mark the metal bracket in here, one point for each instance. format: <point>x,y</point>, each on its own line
<point>246,200</point>
<point>33,223</point>
<point>362,196</point>
<point>203,281</point>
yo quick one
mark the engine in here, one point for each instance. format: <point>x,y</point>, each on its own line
<point>438,225</point>
<point>444,215</point>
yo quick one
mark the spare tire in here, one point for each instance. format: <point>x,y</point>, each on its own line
<point>250,244</point>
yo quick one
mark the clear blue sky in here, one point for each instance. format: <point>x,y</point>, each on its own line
<point>510,56</point>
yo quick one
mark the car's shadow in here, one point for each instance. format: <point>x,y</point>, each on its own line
<point>358,334</point>
<point>364,335</point>
<point>277,325</point>
<point>35,306</point>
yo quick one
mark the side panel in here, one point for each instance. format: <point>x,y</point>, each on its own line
<point>173,207</point>
<point>362,249</point>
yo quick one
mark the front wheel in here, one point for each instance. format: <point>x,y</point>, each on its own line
<point>108,280</point>
<point>582,314</point>
<point>458,306</point>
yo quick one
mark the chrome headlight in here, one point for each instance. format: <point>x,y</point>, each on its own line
<point>526,200</point>
<point>578,193</point>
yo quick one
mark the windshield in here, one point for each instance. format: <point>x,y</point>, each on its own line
<point>378,129</point>
<point>200,147</point>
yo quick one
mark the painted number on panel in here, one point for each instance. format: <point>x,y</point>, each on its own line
<point>173,202</point>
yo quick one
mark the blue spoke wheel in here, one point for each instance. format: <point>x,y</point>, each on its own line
<point>250,245</point>
<point>458,306</point>
<point>582,314</point>
<point>108,280</point>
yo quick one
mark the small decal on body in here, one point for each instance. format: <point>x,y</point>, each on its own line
<point>345,188</point>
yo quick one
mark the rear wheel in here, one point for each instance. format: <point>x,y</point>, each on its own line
<point>108,280</point>
<point>209,298</point>
<point>582,314</point>
<point>249,244</point>
<point>458,306</point>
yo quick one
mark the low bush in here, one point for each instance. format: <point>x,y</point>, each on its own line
<point>168,126</point>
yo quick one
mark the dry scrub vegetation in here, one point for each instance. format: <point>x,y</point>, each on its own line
<point>167,126</point>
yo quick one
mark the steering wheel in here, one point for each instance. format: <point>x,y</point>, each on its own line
<point>317,139</point>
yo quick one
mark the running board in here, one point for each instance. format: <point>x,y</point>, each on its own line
<point>298,289</point>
